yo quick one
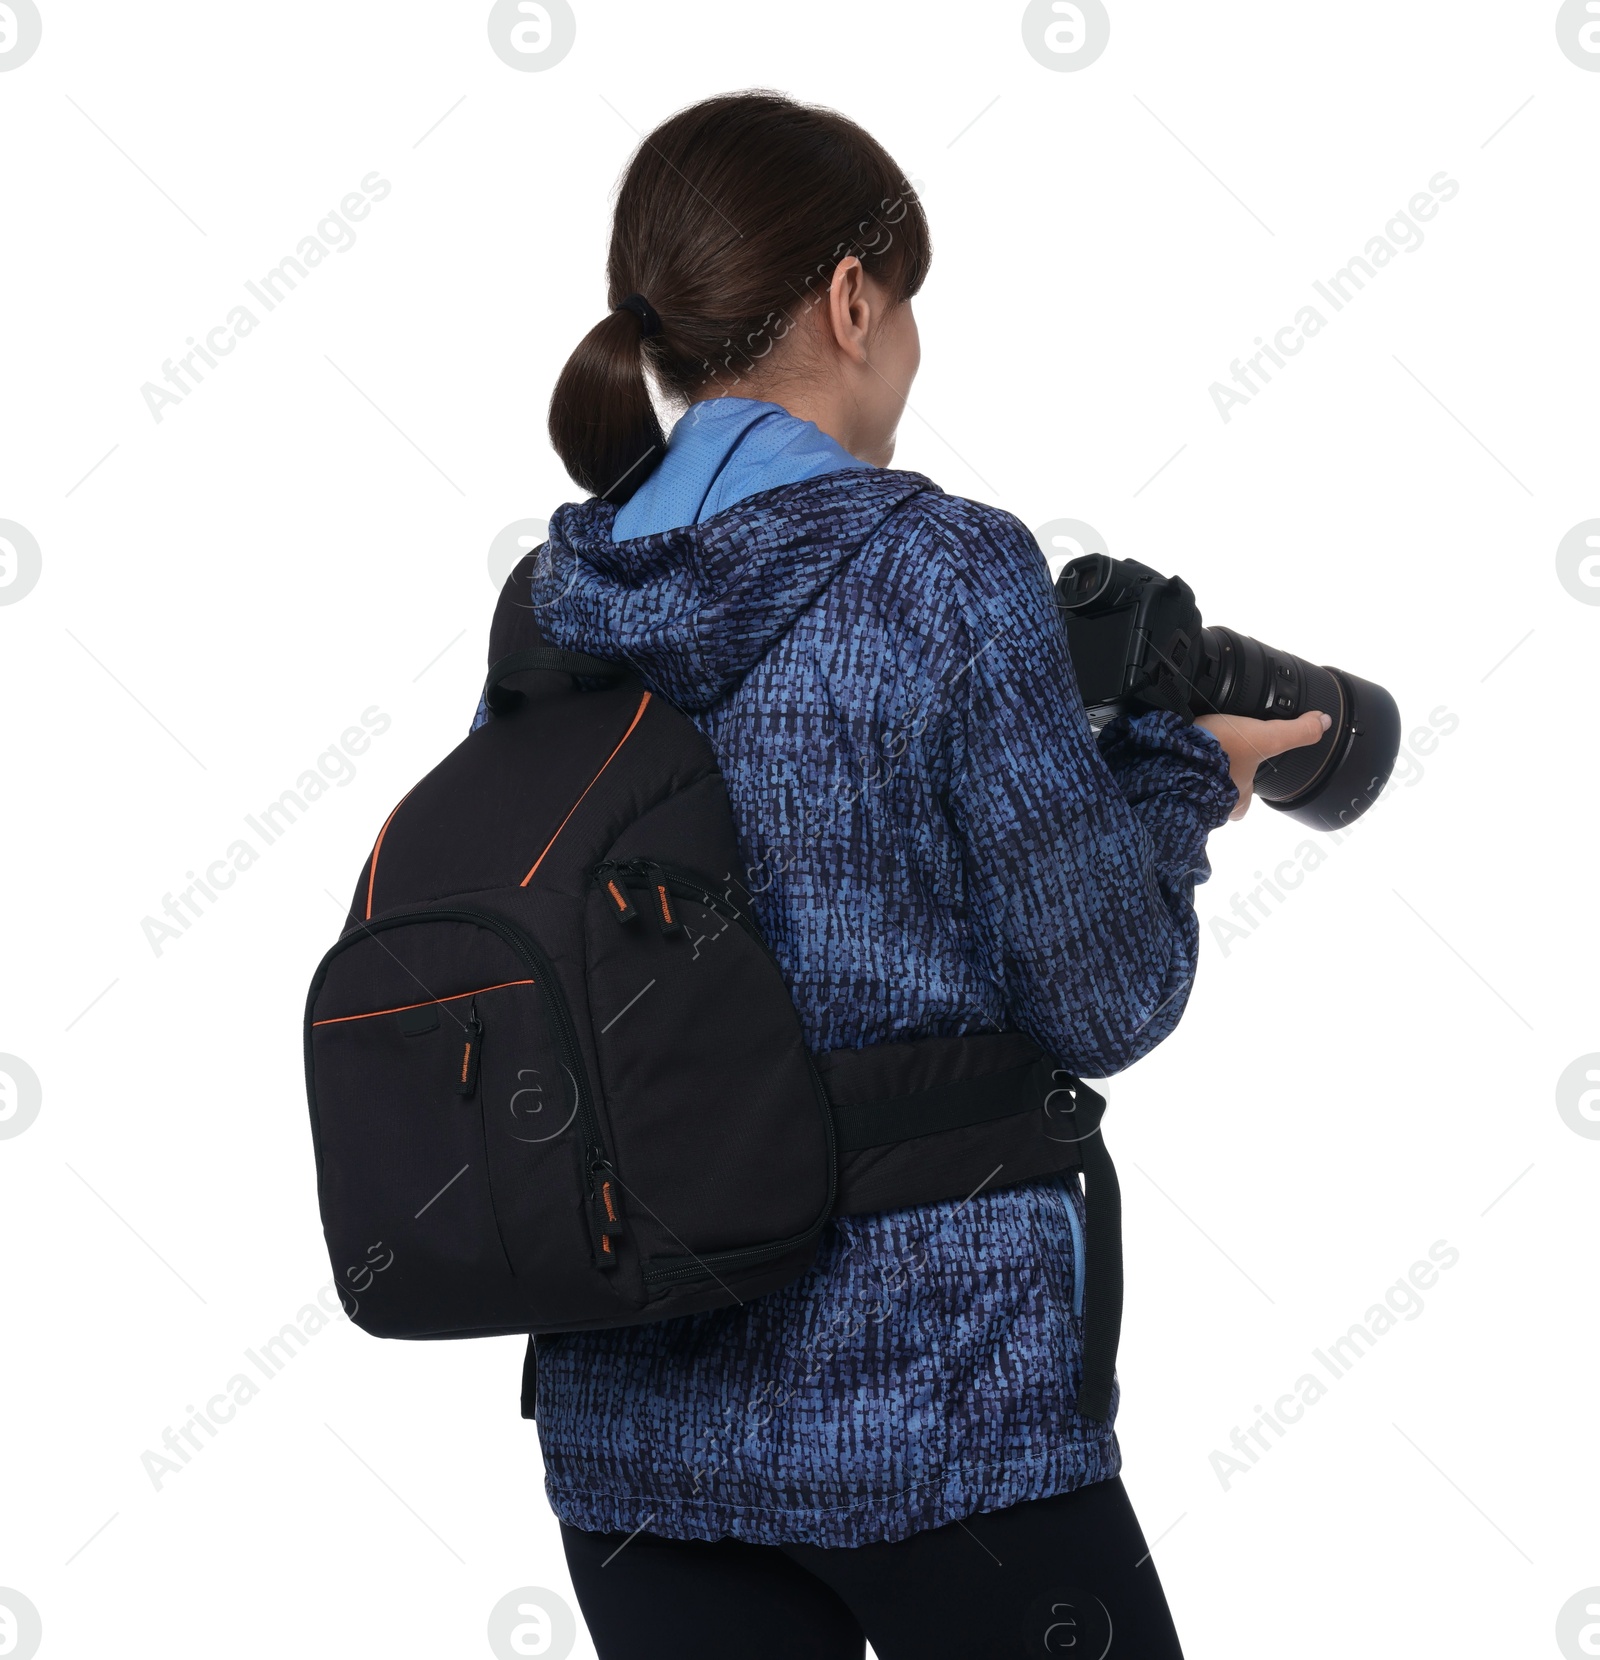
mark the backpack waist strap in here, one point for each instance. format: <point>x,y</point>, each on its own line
<point>941,1119</point>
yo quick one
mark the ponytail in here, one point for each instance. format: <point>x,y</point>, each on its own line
<point>731,217</point>
<point>602,423</point>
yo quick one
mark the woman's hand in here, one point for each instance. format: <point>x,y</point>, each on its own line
<point>1250,742</point>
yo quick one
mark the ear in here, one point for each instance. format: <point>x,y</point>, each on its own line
<point>849,315</point>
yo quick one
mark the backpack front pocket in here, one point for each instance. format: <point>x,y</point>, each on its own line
<point>455,1133</point>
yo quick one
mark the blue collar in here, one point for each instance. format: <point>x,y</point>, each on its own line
<point>722,450</point>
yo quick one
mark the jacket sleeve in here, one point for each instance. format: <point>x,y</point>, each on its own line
<point>1081,858</point>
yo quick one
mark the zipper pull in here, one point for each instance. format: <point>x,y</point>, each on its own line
<point>622,908</point>
<point>471,1045</point>
<point>666,914</point>
<point>605,1207</point>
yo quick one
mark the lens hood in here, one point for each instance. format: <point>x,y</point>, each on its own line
<point>1362,745</point>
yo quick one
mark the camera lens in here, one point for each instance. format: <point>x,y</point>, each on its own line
<point>1328,784</point>
<point>1365,738</point>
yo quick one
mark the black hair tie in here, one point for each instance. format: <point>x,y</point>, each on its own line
<point>649,318</point>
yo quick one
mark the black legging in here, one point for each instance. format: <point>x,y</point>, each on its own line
<point>1066,1576</point>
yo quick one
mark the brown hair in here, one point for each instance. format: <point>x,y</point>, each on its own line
<point>732,214</point>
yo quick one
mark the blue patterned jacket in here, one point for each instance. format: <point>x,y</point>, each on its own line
<point>937,845</point>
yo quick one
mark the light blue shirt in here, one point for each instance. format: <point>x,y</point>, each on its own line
<point>722,450</point>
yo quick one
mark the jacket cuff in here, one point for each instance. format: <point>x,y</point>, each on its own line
<point>1176,777</point>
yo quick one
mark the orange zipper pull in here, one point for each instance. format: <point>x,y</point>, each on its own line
<point>621,906</point>
<point>665,914</point>
<point>471,1046</point>
<point>605,1200</point>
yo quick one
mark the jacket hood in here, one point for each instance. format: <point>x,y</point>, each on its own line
<point>693,610</point>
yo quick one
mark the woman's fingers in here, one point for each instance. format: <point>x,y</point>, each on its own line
<point>1276,736</point>
<point>1249,742</point>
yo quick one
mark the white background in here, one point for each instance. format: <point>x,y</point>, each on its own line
<point>305,536</point>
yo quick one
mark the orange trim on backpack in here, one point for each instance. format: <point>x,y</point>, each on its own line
<point>372,864</point>
<point>455,997</point>
<point>637,714</point>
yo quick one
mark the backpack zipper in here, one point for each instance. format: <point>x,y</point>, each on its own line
<point>472,1044</point>
<point>663,882</point>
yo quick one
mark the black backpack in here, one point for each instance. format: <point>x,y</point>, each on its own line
<point>557,1080</point>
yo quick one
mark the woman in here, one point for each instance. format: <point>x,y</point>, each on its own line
<point>888,1449</point>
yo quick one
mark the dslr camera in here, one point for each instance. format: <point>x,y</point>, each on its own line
<point>1137,642</point>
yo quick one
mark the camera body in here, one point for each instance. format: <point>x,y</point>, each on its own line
<point>1137,641</point>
